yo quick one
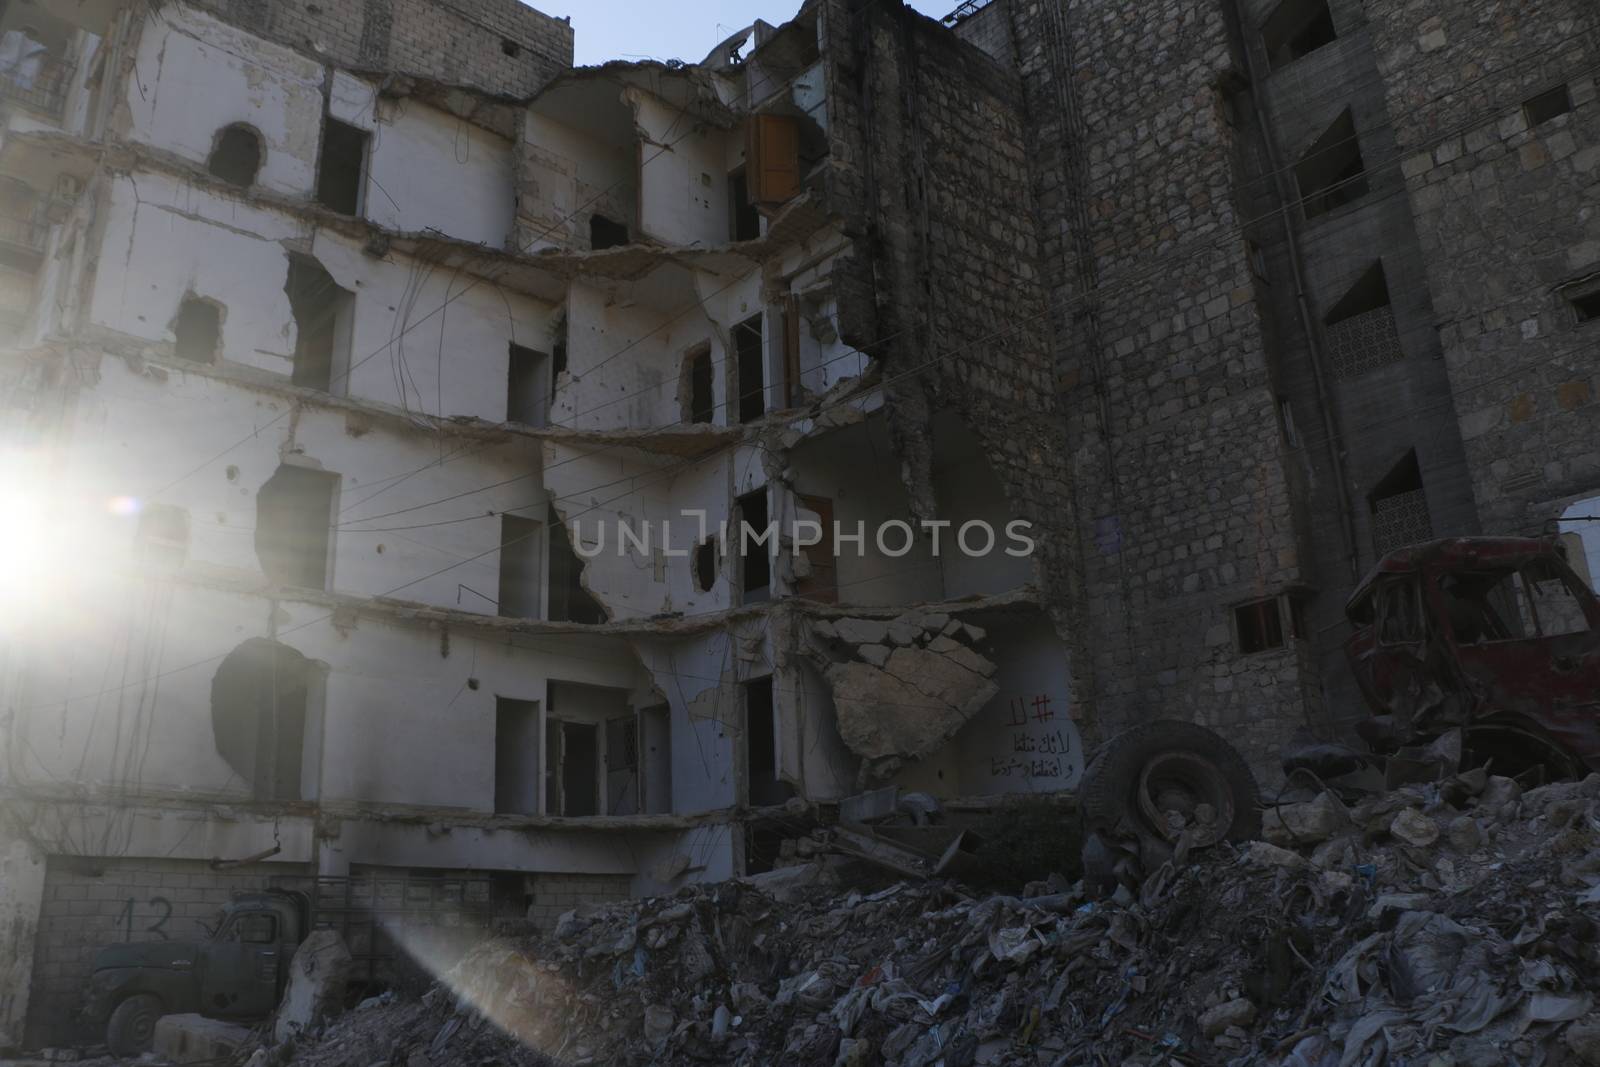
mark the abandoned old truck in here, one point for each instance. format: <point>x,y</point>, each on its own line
<point>239,972</point>
<point>1494,636</point>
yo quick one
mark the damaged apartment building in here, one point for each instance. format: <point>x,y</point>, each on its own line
<point>350,351</point>
<point>336,364</point>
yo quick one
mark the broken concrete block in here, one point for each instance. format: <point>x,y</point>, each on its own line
<point>824,629</point>
<point>974,633</point>
<point>1229,1013</point>
<point>881,715</point>
<point>196,1039</point>
<point>1414,828</point>
<point>1307,824</point>
<point>861,631</point>
<point>1464,833</point>
<point>1500,793</point>
<point>934,621</point>
<point>904,632</point>
<point>317,977</point>
<point>877,655</point>
<point>1261,854</point>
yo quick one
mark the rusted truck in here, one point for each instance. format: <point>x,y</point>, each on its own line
<point>1497,637</point>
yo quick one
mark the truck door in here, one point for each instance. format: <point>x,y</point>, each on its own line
<point>1399,676</point>
<point>1528,645</point>
<point>242,966</point>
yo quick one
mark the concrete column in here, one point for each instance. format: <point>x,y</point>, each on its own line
<point>21,897</point>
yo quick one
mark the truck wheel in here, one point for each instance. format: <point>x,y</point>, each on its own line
<point>132,1027</point>
<point>1163,777</point>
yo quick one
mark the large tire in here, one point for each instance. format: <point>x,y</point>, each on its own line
<point>131,1030</point>
<point>1109,796</point>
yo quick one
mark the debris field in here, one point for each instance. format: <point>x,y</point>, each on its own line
<point>1448,925</point>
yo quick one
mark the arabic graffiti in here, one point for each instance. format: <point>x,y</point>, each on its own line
<point>1035,752</point>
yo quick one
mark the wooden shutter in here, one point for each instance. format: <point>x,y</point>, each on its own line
<point>772,158</point>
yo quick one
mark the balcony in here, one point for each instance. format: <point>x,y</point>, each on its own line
<point>44,92</point>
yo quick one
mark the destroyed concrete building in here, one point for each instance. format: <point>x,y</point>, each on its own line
<point>340,338</point>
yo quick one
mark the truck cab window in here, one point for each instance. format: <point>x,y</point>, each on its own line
<point>254,929</point>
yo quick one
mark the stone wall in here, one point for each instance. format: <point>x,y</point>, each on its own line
<point>930,168</point>
<point>1506,216</point>
<point>501,46</point>
<point>552,894</point>
<point>1185,501</point>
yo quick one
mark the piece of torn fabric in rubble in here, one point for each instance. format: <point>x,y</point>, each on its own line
<point>1349,946</point>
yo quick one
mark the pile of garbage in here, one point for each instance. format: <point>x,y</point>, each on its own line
<point>1446,924</point>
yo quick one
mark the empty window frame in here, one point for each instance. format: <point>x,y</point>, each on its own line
<point>761,746</point>
<point>1549,104</point>
<point>572,768</point>
<point>1296,28</point>
<point>521,570</point>
<point>623,775</point>
<point>751,369</point>
<point>1399,508</point>
<point>260,698</point>
<point>341,167</point>
<point>294,515</point>
<point>324,319</point>
<point>699,399</point>
<point>569,600</point>
<point>1262,625</point>
<point>1583,299</point>
<point>1360,329</point>
<point>236,156</point>
<point>744,221</point>
<point>606,233</point>
<point>1332,173</point>
<point>755,561</point>
<point>197,330</point>
<point>516,756</point>
<point>528,387</point>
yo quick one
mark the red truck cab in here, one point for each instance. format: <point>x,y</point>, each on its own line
<point>1496,635</point>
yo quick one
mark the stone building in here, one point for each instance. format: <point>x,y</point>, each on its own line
<point>381,415</point>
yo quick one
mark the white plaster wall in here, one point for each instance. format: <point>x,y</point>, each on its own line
<point>194,75</point>
<point>1024,740</point>
<point>426,339</point>
<point>858,470</point>
<point>431,170</point>
<point>383,469</point>
<point>120,695</point>
<point>683,186</point>
<point>625,357</point>
<point>966,490</point>
<point>600,489</point>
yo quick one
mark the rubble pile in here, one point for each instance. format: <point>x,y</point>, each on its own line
<point>1448,925</point>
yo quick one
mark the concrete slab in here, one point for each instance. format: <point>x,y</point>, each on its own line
<point>195,1039</point>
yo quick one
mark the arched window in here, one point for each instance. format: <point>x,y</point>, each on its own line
<point>258,715</point>
<point>236,159</point>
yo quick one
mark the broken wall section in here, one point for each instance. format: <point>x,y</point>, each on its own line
<point>956,286</point>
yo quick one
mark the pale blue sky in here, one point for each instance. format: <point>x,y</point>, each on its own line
<point>651,29</point>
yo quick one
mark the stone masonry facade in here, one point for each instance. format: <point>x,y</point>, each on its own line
<point>502,46</point>
<point>1508,211</point>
